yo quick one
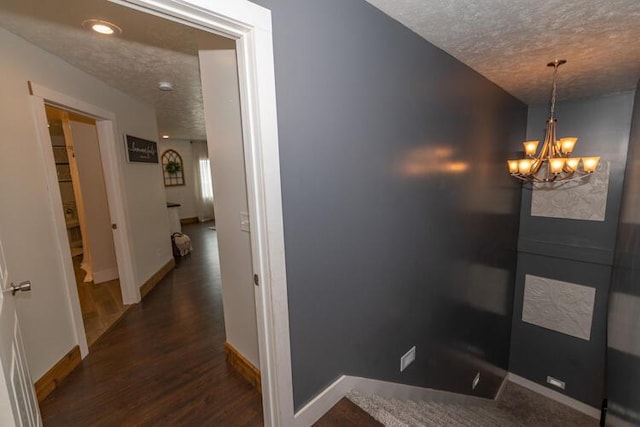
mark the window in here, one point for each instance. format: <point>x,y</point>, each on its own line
<point>206,187</point>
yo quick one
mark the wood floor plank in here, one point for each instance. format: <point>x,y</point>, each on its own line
<point>164,362</point>
<point>101,304</point>
<point>346,414</point>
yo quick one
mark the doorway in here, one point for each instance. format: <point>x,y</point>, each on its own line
<point>76,153</point>
<point>247,24</point>
<point>239,296</point>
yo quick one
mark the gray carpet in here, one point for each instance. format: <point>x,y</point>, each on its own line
<point>396,413</point>
<point>517,406</point>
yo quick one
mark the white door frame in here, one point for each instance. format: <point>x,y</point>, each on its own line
<point>114,183</point>
<point>250,25</point>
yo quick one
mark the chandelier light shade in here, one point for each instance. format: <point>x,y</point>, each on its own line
<point>554,161</point>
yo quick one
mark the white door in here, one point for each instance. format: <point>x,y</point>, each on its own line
<point>18,405</point>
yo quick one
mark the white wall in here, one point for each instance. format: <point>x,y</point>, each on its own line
<point>96,207</point>
<point>224,138</point>
<point>26,215</point>
<point>183,194</point>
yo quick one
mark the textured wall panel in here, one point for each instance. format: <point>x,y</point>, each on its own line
<point>559,306</point>
<point>574,251</point>
<point>583,199</point>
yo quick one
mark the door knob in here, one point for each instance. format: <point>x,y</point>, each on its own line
<point>22,286</point>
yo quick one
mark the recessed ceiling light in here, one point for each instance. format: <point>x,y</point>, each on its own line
<point>102,27</point>
<point>165,136</point>
<point>165,86</point>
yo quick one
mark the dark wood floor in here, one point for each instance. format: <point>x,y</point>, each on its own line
<point>163,363</point>
<point>347,414</point>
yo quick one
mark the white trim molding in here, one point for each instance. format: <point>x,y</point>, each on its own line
<point>60,229</point>
<point>390,390</point>
<point>250,25</point>
<point>554,395</point>
<point>114,183</point>
<point>113,178</point>
<point>324,401</point>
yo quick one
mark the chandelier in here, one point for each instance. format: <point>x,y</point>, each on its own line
<point>553,163</point>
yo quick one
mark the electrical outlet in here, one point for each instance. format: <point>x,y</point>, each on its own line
<point>475,382</point>
<point>556,382</point>
<point>408,358</point>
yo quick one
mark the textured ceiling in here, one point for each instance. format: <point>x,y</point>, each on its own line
<point>511,41</point>
<point>508,41</point>
<point>149,50</point>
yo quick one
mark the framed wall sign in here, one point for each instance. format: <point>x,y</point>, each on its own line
<point>141,150</point>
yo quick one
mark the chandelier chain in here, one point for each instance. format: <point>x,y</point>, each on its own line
<point>554,89</point>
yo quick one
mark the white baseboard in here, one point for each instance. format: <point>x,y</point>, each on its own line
<point>558,397</point>
<point>504,382</point>
<point>323,402</point>
<point>105,275</point>
<point>389,390</point>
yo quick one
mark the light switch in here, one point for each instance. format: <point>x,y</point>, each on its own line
<point>244,222</point>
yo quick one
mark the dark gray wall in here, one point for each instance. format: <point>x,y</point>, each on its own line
<point>623,355</point>
<point>573,251</point>
<point>385,248</point>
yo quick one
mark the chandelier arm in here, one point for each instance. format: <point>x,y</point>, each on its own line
<point>575,176</point>
<point>520,177</point>
<point>528,178</point>
<point>581,175</point>
<point>536,165</point>
<point>554,153</point>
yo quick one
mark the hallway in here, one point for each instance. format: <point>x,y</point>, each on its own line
<point>164,362</point>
